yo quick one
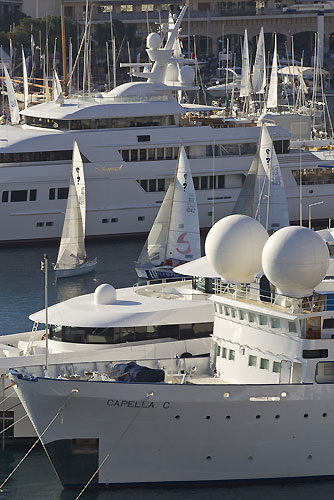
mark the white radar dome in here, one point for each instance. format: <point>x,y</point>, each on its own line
<point>153,41</point>
<point>172,73</point>
<point>105,295</point>
<point>295,259</point>
<point>187,75</point>
<point>234,246</point>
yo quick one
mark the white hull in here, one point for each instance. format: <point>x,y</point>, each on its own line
<point>162,433</point>
<point>108,178</point>
<point>77,271</point>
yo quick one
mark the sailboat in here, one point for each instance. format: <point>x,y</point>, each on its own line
<point>175,237</point>
<point>72,259</point>
<point>263,195</point>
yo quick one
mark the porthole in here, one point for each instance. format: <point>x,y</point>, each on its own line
<point>283,394</point>
<point>228,417</point>
<point>250,457</point>
<point>177,417</point>
<point>207,417</point>
<point>324,414</point>
<point>309,457</point>
<point>277,416</point>
<point>226,394</point>
<point>305,415</point>
<point>208,457</point>
<point>258,416</point>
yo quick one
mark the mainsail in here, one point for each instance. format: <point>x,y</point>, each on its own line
<point>272,93</point>
<point>259,68</point>
<point>245,72</point>
<point>175,232</point>
<point>25,79</point>
<point>13,106</point>
<point>183,234</point>
<point>72,246</point>
<point>263,195</point>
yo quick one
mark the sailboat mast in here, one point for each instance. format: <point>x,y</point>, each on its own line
<point>63,42</point>
<point>44,267</point>
<point>172,198</point>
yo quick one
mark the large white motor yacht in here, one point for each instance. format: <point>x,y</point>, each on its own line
<point>130,139</point>
<point>262,410</point>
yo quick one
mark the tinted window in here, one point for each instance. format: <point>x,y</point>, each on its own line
<point>20,195</point>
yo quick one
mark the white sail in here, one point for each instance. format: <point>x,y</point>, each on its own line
<point>13,106</point>
<point>183,234</point>
<point>154,250</point>
<point>263,195</point>
<point>272,93</point>
<point>259,68</point>
<point>175,233</point>
<point>57,93</point>
<point>25,80</point>
<point>72,245</point>
<point>272,210</point>
<point>245,72</point>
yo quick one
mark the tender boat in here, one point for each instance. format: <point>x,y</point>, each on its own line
<point>261,409</point>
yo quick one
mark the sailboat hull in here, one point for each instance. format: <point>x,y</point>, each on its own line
<point>154,273</point>
<point>85,268</point>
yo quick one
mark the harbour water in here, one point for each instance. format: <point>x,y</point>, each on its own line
<point>21,293</point>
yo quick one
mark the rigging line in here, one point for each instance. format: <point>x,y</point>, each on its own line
<point>148,395</point>
<point>9,396</point>
<point>91,479</point>
<point>74,391</point>
<point>14,423</point>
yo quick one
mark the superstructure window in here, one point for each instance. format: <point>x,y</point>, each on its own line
<point>36,156</point>
<point>20,195</point>
<point>312,176</point>
<point>276,367</point>
<point>4,196</point>
<point>252,360</point>
<point>328,323</point>
<point>264,364</point>
<point>32,194</point>
<point>129,334</point>
<point>58,193</point>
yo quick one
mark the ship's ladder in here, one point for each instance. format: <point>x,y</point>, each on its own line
<point>29,350</point>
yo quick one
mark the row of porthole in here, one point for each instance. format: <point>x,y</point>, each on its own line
<point>228,417</point>
<point>309,457</point>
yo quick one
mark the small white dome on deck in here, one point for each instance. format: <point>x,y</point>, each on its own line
<point>172,73</point>
<point>295,259</point>
<point>234,246</point>
<point>153,41</point>
<point>105,295</point>
<point>187,75</point>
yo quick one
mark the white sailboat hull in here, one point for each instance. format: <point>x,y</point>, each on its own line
<point>163,433</point>
<point>85,268</point>
<point>160,272</point>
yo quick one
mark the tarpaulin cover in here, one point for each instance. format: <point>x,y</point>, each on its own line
<point>131,372</point>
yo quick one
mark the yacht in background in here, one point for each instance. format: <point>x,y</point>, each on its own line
<point>129,139</point>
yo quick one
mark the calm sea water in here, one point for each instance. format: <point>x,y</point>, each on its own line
<point>21,293</point>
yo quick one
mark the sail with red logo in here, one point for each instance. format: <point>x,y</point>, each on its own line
<point>175,236</point>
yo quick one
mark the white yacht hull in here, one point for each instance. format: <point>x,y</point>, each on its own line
<point>85,268</point>
<point>117,205</point>
<point>163,433</point>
